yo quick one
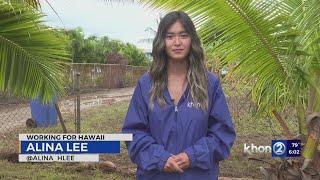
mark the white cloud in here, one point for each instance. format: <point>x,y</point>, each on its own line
<point>123,21</point>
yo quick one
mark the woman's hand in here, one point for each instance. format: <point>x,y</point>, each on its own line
<point>182,160</point>
<point>171,165</point>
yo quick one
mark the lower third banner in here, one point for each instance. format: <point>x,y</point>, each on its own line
<point>58,157</point>
<point>69,147</point>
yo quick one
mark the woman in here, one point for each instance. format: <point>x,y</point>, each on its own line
<point>178,114</point>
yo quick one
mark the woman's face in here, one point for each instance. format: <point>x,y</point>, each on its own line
<point>178,42</point>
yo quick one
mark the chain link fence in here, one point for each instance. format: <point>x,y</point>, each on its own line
<point>99,84</point>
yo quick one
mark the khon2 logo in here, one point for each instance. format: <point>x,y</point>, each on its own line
<point>279,148</point>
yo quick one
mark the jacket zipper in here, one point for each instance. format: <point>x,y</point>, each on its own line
<point>176,123</point>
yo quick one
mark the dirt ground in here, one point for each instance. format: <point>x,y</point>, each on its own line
<point>13,116</point>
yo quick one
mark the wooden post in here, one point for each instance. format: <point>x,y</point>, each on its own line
<point>61,119</point>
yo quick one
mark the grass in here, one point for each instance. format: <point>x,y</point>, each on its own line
<point>11,170</point>
<point>105,119</point>
<point>108,119</point>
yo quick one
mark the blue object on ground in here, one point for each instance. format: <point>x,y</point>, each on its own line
<point>45,115</point>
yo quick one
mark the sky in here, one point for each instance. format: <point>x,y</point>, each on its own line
<point>126,22</point>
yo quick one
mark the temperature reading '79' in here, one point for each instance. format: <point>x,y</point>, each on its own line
<point>295,144</point>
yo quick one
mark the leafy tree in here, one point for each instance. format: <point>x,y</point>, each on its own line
<point>95,50</point>
<point>76,41</point>
<point>136,57</point>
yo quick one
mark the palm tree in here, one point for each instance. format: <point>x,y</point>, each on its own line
<point>76,38</point>
<point>272,43</point>
<point>151,31</point>
<point>32,57</point>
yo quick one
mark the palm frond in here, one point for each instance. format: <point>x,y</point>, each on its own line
<point>33,3</point>
<point>307,17</point>
<point>255,38</point>
<point>32,57</point>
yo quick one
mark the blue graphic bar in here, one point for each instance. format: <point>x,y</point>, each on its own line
<point>69,147</point>
<point>286,148</point>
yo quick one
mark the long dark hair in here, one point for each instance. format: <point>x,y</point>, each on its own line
<point>196,74</point>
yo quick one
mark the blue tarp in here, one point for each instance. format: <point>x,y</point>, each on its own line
<point>45,115</point>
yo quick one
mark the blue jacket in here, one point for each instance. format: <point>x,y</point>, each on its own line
<point>206,137</point>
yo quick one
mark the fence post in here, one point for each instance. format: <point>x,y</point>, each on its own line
<point>94,77</point>
<point>78,102</point>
